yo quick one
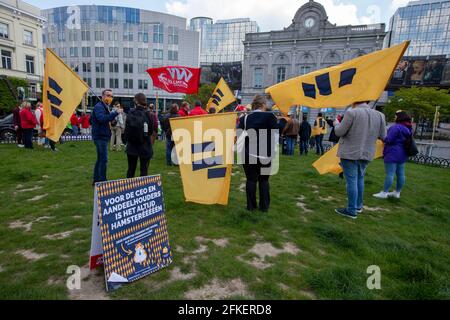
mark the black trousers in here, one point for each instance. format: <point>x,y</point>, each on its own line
<point>28,138</point>
<point>254,177</point>
<point>132,165</point>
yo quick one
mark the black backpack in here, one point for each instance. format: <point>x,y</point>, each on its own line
<point>411,147</point>
<point>134,127</point>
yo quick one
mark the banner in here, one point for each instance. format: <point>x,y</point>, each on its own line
<point>130,222</point>
<point>329,162</point>
<point>62,92</point>
<point>221,97</point>
<point>176,79</point>
<point>204,147</point>
<point>361,79</point>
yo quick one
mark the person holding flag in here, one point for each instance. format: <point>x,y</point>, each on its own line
<point>198,110</point>
<point>101,133</point>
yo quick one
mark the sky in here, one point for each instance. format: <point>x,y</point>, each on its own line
<point>269,14</point>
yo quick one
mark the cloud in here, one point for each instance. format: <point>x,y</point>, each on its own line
<point>271,15</point>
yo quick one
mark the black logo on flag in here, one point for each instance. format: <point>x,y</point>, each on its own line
<point>323,82</point>
<point>217,97</point>
<point>54,100</point>
<point>208,163</point>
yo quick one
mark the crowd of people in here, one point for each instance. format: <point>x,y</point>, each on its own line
<point>137,130</point>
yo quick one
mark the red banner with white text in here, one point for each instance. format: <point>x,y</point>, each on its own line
<point>176,79</point>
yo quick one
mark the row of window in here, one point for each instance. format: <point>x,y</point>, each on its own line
<point>114,83</point>
<point>27,34</point>
<point>158,35</point>
<point>6,61</point>
<point>158,54</point>
<point>86,67</point>
<point>258,75</point>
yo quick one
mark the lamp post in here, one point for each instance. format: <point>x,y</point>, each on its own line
<point>434,128</point>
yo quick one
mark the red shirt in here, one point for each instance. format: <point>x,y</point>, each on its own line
<point>27,119</point>
<point>74,121</point>
<point>183,112</point>
<point>197,111</point>
<point>85,122</point>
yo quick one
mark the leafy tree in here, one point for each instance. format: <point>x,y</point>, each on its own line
<point>204,93</point>
<point>419,102</point>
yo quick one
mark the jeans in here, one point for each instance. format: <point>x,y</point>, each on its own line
<point>28,138</point>
<point>169,147</point>
<point>304,146</point>
<point>75,130</point>
<point>102,160</point>
<point>254,177</point>
<point>290,141</point>
<point>132,165</point>
<point>393,169</point>
<point>319,144</point>
<point>354,172</point>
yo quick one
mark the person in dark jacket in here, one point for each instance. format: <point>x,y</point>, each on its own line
<point>170,144</point>
<point>139,146</point>
<point>333,138</point>
<point>305,134</point>
<point>101,133</point>
<point>291,134</point>
<point>18,125</point>
<point>395,155</point>
<point>260,126</point>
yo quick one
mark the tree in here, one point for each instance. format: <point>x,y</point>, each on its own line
<point>419,102</point>
<point>204,93</point>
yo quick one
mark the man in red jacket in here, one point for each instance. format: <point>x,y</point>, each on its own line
<point>28,122</point>
<point>198,110</point>
<point>184,110</point>
<point>74,121</point>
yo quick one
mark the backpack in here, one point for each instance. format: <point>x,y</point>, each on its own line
<point>134,128</point>
<point>411,147</point>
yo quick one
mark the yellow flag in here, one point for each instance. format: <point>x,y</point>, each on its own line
<point>221,97</point>
<point>204,147</point>
<point>329,162</point>
<point>63,91</point>
<point>361,79</point>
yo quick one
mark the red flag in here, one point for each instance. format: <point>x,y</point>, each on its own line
<point>176,79</point>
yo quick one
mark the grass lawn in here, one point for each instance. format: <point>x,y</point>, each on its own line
<point>300,250</point>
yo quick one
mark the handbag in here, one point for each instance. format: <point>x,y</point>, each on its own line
<point>411,147</point>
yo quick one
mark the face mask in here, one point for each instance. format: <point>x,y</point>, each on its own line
<point>108,100</point>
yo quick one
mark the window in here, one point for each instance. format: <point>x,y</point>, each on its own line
<point>173,55</point>
<point>114,83</point>
<point>258,78</point>
<point>305,70</point>
<point>143,37</point>
<point>6,59</point>
<point>99,82</point>
<point>99,67</point>
<point>128,68</point>
<point>62,52</point>
<point>113,67</point>
<point>29,62</point>
<point>128,83</point>
<point>281,74</point>
<point>86,67</point>
<point>99,52</point>
<point>113,52</point>
<point>113,36</point>
<point>88,81</point>
<point>85,35</point>
<point>73,36</point>
<point>173,35</point>
<point>142,68</point>
<point>99,36</point>
<point>73,52</point>
<point>127,35</point>
<point>28,37</point>
<point>143,84</point>
<point>61,36</point>
<point>142,53</point>
<point>86,52</point>
<point>4,31</point>
<point>128,52</point>
<point>158,54</point>
<point>158,33</point>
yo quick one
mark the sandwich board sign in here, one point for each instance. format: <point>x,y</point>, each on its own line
<point>129,230</point>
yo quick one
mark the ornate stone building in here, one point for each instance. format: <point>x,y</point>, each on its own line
<point>310,43</point>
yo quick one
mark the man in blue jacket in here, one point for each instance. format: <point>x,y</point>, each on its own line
<point>101,133</point>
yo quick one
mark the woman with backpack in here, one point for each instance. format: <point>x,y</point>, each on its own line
<point>396,146</point>
<point>140,131</point>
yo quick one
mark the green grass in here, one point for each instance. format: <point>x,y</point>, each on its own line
<point>410,242</point>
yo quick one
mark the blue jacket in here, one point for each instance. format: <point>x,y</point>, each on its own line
<point>100,119</point>
<point>394,144</point>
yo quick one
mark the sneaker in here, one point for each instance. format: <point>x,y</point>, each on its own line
<point>21,145</point>
<point>344,212</point>
<point>381,195</point>
<point>359,210</point>
<point>394,194</point>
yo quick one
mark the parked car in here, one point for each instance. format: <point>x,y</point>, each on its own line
<point>7,131</point>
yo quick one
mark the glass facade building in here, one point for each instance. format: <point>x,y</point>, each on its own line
<point>222,41</point>
<point>426,23</point>
<point>112,47</point>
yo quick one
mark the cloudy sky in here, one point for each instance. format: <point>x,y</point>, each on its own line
<point>270,14</point>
